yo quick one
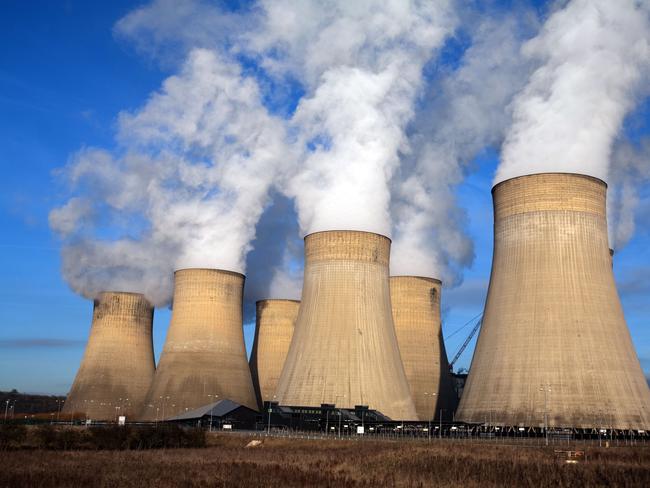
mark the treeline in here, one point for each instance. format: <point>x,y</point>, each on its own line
<point>27,403</point>
<point>16,436</point>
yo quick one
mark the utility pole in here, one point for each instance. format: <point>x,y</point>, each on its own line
<point>6,408</point>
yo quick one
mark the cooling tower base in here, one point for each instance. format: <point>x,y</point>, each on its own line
<point>344,350</point>
<point>554,344</point>
<point>118,364</point>
<point>204,357</point>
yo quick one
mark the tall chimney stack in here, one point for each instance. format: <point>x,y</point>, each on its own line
<point>204,357</point>
<point>275,321</point>
<point>344,349</point>
<point>554,346</point>
<point>416,313</point>
<point>118,364</point>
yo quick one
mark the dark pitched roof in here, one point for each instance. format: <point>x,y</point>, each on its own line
<point>219,408</point>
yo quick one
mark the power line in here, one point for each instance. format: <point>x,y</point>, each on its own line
<point>461,328</point>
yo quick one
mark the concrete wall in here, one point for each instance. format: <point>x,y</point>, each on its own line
<point>416,313</point>
<point>553,319</point>
<point>118,364</point>
<point>204,356</point>
<point>344,350</point>
<point>274,323</point>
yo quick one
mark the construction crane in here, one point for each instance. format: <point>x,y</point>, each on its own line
<point>475,329</point>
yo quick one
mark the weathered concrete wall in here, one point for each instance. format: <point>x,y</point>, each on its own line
<point>344,349</point>
<point>416,313</point>
<point>275,321</point>
<point>118,364</point>
<point>553,319</point>
<point>204,356</point>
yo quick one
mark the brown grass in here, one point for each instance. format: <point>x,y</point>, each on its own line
<point>292,462</point>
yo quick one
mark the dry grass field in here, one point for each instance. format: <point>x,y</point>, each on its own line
<point>292,462</point>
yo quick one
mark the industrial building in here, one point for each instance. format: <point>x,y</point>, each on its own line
<point>327,418</point>
<point>554,349</point>
<point>204,357</point>
<point>274,323</point>
<point>416,313</point>
<point>219,415</point>
<point>118,363</point>
<point>344,350</point>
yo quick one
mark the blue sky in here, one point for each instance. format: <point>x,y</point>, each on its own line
<point>63,80</point>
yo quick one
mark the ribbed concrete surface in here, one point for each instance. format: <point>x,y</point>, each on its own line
<point>204,356</point>
<point>553,319</point>
<point>344,349</point>
<point>416,313</point>
<point>274,324</point>
<point>118,364</point>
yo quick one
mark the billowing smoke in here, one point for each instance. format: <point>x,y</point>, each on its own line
<point>341,107</point>
<point>360,64</point>
<point>593,60</point>
<point>464,112</point>
<point>626,203</point>
<point>198,162</point>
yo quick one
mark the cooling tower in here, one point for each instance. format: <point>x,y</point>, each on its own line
<point>554,340</point>
<point>416,313</point>
<point>118,363</point>
<point>344,350</point>
<point>204,356</point>
<point>273,331</point>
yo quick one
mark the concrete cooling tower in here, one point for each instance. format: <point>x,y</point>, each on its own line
<point>416,313</point>
<point>275,321</point>
<point>344,350</point>
<point>554,342</point>
<point>204,357</point>
<point>118,364</point>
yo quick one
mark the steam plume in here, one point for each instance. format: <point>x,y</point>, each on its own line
<point>199,160</point>
<point>629,173</point>
<point>464,112</point>
<point>593,60</point>
<point>361,66</point>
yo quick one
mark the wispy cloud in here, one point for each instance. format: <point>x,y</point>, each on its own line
<point>32,343</point>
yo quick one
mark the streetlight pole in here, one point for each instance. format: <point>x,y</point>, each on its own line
<point>429,430</point>
<point>58,412</point>
<point>269,410</point>
<point>163,412</point>
<point>215,401</point>
<point>340,413</point>
<point>546,389</point>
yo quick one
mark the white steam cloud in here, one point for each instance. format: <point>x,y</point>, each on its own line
<point>361,66</point>
<point>344,108</point>
<point>464,113</point>
<point>630,172</point>
<point>594,57</point>
<point>199,160</point>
